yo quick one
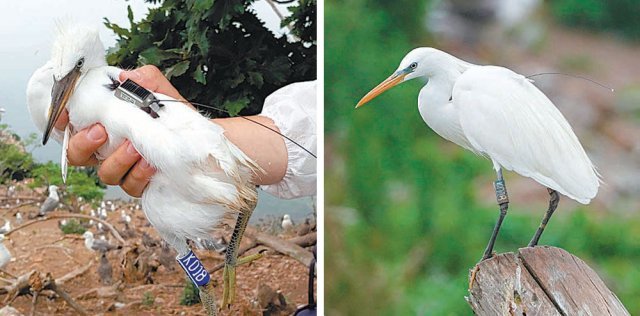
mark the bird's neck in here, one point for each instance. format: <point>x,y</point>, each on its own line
<point>437,110</point>
<point>437,92</point>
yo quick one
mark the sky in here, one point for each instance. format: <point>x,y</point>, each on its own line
<point>27,29</point>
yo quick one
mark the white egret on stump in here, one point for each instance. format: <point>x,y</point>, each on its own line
<point>201,178</point>
<point>495,112</point>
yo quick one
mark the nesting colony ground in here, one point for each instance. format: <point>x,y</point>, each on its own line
<point>140,285</point>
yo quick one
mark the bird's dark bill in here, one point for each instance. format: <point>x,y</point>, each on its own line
<point>60,94</point>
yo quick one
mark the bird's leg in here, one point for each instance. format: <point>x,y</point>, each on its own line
<point>207,297</point>
<point>231,257</point>
<point>503,202</point>
<point>553,204</point>
<point>200,277</point>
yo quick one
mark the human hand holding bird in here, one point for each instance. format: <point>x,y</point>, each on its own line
<point>128,169</point>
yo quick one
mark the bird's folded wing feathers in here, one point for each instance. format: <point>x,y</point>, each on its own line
<point>506,117</point>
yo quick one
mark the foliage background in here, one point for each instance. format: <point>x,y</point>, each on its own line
<point>219,52</point>
<point>17,163</point>
<point>404,219</point>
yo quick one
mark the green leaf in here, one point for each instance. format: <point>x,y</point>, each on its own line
<point>199,75</point>
<point>144,27</point>
<point>155,56</point>
<point>234,107</point>
<point>245,61</point>
<point>203,5</point>
<point>121,32</point>
<point>255,79</point>
<point>177,70</point>
<point>130,14</point>
<point>203,42</point>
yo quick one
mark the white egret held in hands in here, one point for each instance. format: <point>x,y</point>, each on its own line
<point>201,176</point>
<point>495,112</point>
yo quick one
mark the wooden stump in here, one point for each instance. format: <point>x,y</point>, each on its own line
<point>540,281</point>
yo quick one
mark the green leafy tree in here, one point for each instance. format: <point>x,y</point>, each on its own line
<point>218,52</point>
<point>618,16</point>
<point>81,182</point>
<point>15,162</point>
<point>303,19</point>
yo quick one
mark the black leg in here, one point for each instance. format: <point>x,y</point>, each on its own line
<point>503,202</point>
<point>553,204</point>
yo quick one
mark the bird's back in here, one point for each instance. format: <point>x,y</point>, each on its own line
<point>507,118</point>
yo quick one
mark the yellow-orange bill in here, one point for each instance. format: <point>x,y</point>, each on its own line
<point>387,84</point>
<point>60,94</point>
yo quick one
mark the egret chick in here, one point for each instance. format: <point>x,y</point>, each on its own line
<point>105,271</point>
<point>497,113</point>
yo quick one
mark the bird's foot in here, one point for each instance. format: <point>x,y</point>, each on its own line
<point>207,297</point>
<point>229,278</point>
<point>250,258</point>
<point>229,290</point>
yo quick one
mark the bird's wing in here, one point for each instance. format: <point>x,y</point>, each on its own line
<point>48,205</point>
<point>506,117</point>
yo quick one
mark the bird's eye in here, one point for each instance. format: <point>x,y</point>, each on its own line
<point>413,65</point>
<point>80,63</point>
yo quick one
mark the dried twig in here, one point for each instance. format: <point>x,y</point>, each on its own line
<point>21,283</point>
<point>22,197</point>
<point>51,284</point>
<point>292,247</point>
<point>114,232</point>
<point>285,247</point>
<point>75,273</point>
<point>34,301</point>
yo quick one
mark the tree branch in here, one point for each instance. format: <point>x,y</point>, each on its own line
<point>114,232</point>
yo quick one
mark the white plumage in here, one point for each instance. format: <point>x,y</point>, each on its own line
<point>498,113</point>
<point>495,112</point>
<point>51,202</point>
<point>201,177</point>
<point>5,255</point>
<point>287,224</point>
<point>506,117</point>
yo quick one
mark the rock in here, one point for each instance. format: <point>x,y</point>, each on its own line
<point>9,311</point>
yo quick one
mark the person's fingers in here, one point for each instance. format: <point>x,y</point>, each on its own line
<point>138,178</point>
<point>62,121</point>
<point>115,167</point>
<point>151,78</point>
<point>84,144</point>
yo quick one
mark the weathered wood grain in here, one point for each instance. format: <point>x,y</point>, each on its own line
<point>540,281</point>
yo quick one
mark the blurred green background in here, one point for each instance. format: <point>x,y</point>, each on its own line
<point>407,213</point>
